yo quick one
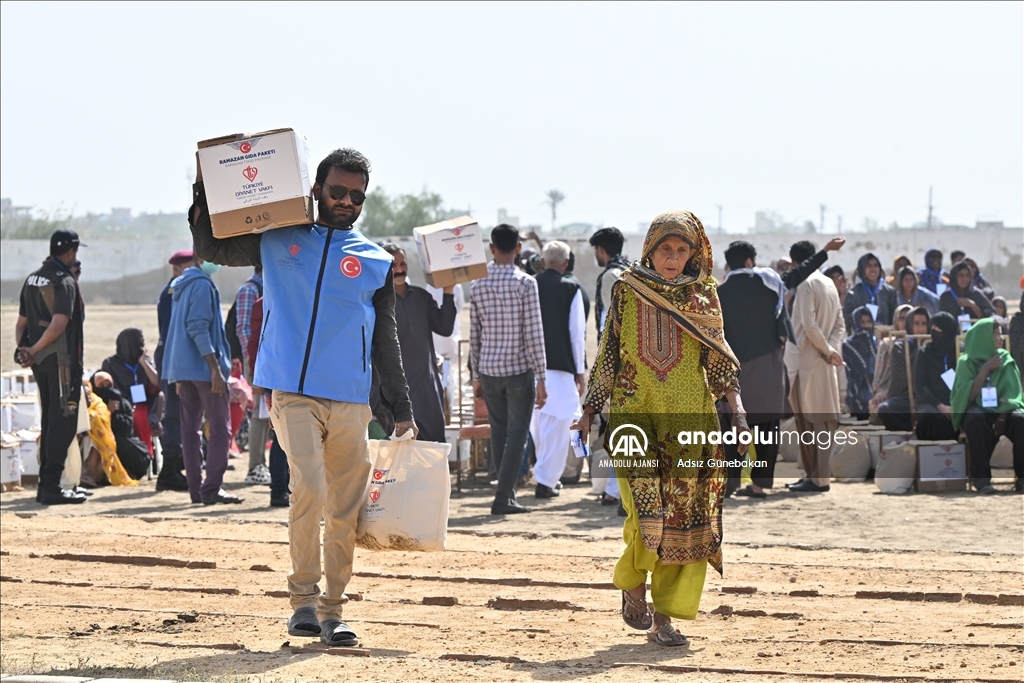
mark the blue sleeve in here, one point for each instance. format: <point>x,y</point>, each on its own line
<point>163,312</point>
<point>198,318</point>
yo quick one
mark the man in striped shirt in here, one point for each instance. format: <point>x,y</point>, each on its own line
<point>507,358</point>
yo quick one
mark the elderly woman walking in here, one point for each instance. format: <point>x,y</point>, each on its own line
<point>664,361</point>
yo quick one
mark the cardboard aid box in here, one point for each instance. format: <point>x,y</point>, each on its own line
<point>451,251</point>
<point>10,460</point>
<point>257,182</point>
<point>941,466</point>
<point>28,449</point>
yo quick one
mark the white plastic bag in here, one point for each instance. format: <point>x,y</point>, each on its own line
<point>406,503</point>
<point>851,461</point>
<point>897,465</point>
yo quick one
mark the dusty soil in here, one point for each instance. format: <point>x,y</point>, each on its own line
<point>849,584</point>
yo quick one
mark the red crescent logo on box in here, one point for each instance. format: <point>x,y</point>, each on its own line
<point>379,474</point>
<point>294,249</point>
<point>457,231</point>
<point>351,267</point>
<point>374,495</point>
<point>250,172</point>
<point>459,246</point>
<point>245,148</point>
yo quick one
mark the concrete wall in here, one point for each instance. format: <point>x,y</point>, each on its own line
<point>123,272</point>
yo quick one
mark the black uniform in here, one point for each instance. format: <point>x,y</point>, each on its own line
<point>47,292</point>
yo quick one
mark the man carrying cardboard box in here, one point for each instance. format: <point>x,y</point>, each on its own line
<point>329,319</point>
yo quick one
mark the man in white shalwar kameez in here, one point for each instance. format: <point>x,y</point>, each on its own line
<point>561,307</point>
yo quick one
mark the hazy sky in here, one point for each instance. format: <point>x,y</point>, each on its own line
<point>628,109</point>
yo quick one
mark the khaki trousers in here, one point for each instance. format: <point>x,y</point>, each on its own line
<point>329,461</point>
<point>815,459</point>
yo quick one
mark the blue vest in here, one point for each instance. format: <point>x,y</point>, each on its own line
<point>318,313</point>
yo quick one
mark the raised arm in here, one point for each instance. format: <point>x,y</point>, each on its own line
<point>442,318</point>
<point>243,250</point>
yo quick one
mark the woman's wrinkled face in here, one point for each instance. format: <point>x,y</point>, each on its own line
<point>669,259</point>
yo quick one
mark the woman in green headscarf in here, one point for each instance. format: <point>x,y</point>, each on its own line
<point>987,400</point>
<point>663,362</point>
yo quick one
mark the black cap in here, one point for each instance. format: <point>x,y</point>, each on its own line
<point>63,240</point>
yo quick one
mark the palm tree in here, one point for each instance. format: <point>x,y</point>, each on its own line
<point>555,198</point>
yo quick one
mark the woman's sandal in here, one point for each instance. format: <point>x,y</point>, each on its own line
<point>667,635</point>
<point>636,606</point>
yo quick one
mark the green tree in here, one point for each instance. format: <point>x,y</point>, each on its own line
<point>395,216</point>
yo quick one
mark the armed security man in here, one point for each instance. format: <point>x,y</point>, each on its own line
<point>48,335</point>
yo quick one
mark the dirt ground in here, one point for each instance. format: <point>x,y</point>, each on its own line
<point>846,585</point>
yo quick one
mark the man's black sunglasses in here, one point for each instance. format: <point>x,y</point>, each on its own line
<point>338,192</point>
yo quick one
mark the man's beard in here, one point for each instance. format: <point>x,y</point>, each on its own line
<point>333,220</point>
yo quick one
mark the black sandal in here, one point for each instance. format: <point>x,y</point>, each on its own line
<point>636,605</point>
<point>749,492</point>
<point>608,500</point>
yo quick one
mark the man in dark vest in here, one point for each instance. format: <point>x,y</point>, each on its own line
<point>561,310</point>
<point>49,340</point>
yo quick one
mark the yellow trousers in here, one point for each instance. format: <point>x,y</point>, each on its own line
<point>675,588</point>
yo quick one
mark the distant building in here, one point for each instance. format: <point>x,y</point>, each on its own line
<point>503,217</point>
<point>120,216</point>
<point>989,225</point>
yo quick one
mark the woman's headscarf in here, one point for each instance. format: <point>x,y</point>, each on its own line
<point>691,298</point>
<point>943,342</point>
<point>899,263</point>
<point>129,345</point>
<point>954,280</point>
<point>862,341</point>
<point>898,283</point>
<point>979,347</point>
<point>971,292</point>
<point>896,317</point>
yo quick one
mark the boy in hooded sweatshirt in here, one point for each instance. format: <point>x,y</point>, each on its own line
<point>197,357</point>
<point>987,400</point>
<point>871,291</point>
<point>933,274</point>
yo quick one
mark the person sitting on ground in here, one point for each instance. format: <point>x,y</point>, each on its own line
<point>962,298</point>
<point>899,264</point>
<point>979,281</point>
<point>987,401</point>
<point>101,464</point>
<point>894,412</point>
<point>933,276</point>
<point>859,357</point>
<point>933,378</point>
<point>132,453</point>
<point>882,376</point>
<point>909,291</point>
<point>872,292</point>
<point>135,377</point>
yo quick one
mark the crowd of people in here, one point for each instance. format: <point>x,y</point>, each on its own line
<point>319,359</point>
